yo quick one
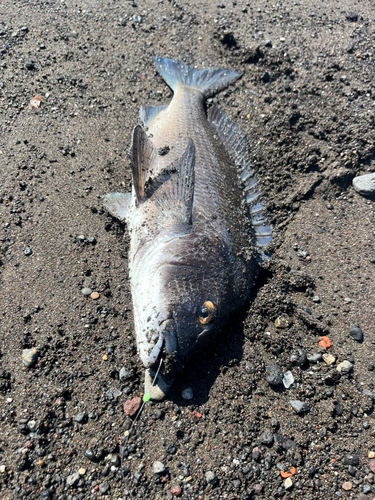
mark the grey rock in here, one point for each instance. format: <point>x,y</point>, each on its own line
<point>73,479</point>
<point>274,375</point>
<point>314,357</point>
<point>267,437</point>
<point>187,393</point>
<point>103,487</point>
<point>298,406</point>
<point>91,455</point>
<point>365,184</point>
<point>32,425</point>
<point>86,291</point>
<point>356,333</point>
<point>288,379</point>
<point>80,418</point>
<point>29,357</point>
<point>27,251</point>
<point>158,468</point>
<point>211,477</point>
<point>344,367</point>
<point>351,460</point>
<point>124,374</point>
<point>115,460</point>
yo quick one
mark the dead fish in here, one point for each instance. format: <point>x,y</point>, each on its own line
<point>194,217</point>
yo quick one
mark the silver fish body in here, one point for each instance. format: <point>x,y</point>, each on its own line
<point>192,246</point>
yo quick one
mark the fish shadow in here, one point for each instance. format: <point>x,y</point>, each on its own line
<point>224,351</point>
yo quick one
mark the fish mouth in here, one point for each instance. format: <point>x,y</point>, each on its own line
<point>167,329</point>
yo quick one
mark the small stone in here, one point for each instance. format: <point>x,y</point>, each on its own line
<point>115,460</point>
<point>316,299</point>
<point>105,357</point>
<point>81,418</point>
<point>371,454</point>
<point>314,357</point>
<point>282,321</point>
<point>86,291</point>
<point>95,295</point>
<point>29,65</point>
<point>347,486</point>
<point>352,16</point>
<point>366,489</point>
<point>371,464</point>
<point>351,460</point>
<point>257,488</point>
<point>171,449</point>
<point>27,251</point>
<point>328,358</point>
<point>45,495</point>
<point>72,480</point>
<point>81,471</point>
<point>356,333</point>
<point>160,388</point>
<point>274,376</point>
<point>211,477</point>
<point>338,409</point>
<point>131,406</point>
<point>288,483</point>
<point>298,406</point>
<point>288,379</point>
<point>176,491</point>
<point>32,426</point>
<point>29,357</point>
<point>124,374</point>
<point>91,455</point>
<point>344,367</point>
<point>158,468</point>
<point>2,469</point>
<point>187,393</point>
<point>103,487</point>
<point>267,437</point>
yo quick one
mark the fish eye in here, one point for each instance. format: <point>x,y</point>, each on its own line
<point>206,313</point>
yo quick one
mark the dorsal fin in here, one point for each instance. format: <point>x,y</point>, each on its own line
<point>143,159</point>
<point>173,190</point>
<point>149,112</point>
<point>235,143</point>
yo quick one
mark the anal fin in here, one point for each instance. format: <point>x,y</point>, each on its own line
<point>143,159</point>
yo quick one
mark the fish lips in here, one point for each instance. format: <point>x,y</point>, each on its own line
<point>169,332</point>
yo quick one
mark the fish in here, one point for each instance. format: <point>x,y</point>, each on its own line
<point>195,218</point>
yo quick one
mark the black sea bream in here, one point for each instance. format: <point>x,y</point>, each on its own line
<point>194,217</point>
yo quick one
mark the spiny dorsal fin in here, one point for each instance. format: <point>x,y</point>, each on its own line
<point>149,112</point>
<point>143,159</point>
<point>173,192</point>
<point>235,142</point>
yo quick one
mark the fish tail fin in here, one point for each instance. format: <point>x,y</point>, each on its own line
<point>208,81</point>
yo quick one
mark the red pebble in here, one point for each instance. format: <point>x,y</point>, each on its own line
<point>131,406</point>
<point>372,465</point>
<point>176,491</point>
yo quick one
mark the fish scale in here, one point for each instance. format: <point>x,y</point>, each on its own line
<point>192,252</point>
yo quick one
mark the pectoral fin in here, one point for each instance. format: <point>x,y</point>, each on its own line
<point>144,158</point>
<point>117,204</point>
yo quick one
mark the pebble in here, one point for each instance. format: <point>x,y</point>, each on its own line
<point>298,406</point>
<point>32,426</point>
<point>365,184</point>
<point>158,468</point>
<point>2,469</point>
<point>274,375</point>
<point>316,299</point>
<point>176,491</point>
<point>352,16</point>
<point>72,480</point>
<point>81,471</point>
<point>27,251</point>
<point>328,358</point>
<point>86,291</point>
<point>282,322</point>
<point>81,417</point>
<point>371,464</point>
<point>29,65</point>
<point>267,437</point>
<point>288,379</point>
<point>356,333</point>
<point>314,357</point>
<point>103,487</point>
<point>95,295</point>
<point>124,374</point>
<point>29,356</point>
<point>347,486</point>
<point>45,495</point>
<point>211,477</point>
<point>131,406</point>
<point>351,460</point>
<point>288,483</point>
<point>91,455</point>
<point>159,390</point>
<point>187,393</point>
<point>344,367</point>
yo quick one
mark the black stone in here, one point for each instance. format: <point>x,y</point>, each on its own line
<point>274,375</point>
<point>356,333</point>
